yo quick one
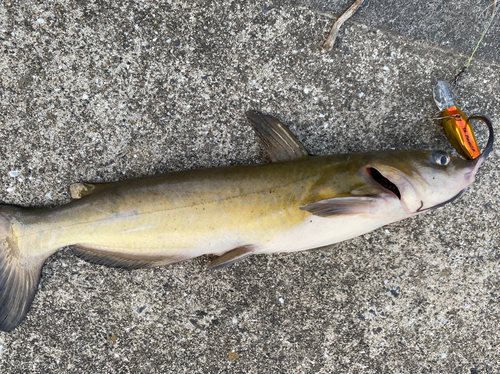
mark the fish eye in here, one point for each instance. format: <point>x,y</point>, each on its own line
<point>440,158</point>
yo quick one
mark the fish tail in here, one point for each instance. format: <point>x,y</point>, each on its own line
<point>19,272</point>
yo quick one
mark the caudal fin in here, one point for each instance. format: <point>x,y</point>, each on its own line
<point>19,273</point>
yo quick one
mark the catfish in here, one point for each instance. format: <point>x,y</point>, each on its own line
<point>294,203</point>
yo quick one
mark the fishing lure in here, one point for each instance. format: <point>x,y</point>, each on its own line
<point>457,126</point>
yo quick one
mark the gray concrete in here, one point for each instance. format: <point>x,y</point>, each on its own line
<point>95,91</point>
<point>456,24</point>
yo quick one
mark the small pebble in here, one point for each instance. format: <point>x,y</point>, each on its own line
<point>13,173</point>
<point>232,356</point>
<point>281,300</point>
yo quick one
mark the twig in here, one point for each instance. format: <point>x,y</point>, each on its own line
<point>330,40</point>
<point>494,6</point>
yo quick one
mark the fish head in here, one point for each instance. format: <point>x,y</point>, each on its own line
<point>423,180</point>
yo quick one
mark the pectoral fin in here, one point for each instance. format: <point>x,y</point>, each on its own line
<point>276,139</point>
<point>232,256</point>
<point>342,205</point>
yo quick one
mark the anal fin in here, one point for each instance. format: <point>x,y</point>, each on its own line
<point>232,256</point>
<point>117,259</point>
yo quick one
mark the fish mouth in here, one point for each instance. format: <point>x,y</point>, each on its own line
<point>420,210</point>
<point>382,181</point>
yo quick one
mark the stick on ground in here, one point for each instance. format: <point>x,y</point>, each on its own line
<point>330,40</point>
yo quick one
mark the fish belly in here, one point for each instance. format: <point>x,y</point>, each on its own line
<point>315,232</point>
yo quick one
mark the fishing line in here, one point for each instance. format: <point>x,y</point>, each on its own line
<point>465,69</point>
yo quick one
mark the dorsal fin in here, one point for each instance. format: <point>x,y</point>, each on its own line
<point>278,141</point>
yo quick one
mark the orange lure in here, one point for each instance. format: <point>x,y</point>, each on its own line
<point>458,130</point>
<point>457,126</point>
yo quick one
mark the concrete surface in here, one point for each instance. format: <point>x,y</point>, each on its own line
<point>103,91</point>
<point>456,24</point>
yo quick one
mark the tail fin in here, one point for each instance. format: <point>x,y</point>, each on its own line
<point>19,273</point>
